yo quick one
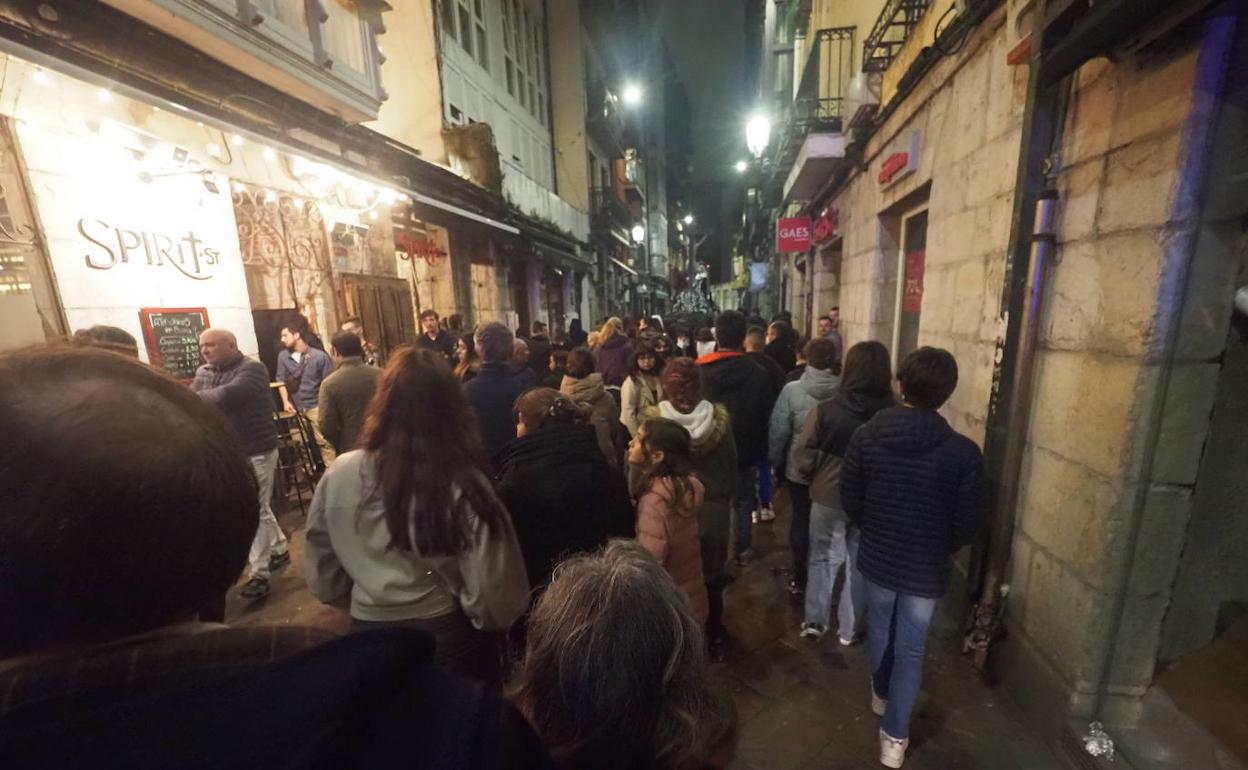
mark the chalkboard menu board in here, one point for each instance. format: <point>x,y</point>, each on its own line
<point>172,337</point>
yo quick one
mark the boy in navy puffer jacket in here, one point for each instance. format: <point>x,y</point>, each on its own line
<point>914,487</point>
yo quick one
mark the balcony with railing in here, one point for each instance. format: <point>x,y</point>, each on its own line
<point>811,135</point>
<point>610,217</point>
<point>604,117</point>
<point>891,31</point>
<point>323,53</point>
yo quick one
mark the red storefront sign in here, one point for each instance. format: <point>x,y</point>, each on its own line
<point>792,235</point>
<point>827,225</point>
<point>414,248</point>
<point>893,165</point>
<point>912,293</point>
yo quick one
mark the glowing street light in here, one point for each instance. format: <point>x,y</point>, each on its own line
<point>688,219</point>
<point>741,166</point>
<point>639,233</point>
<point>758,134</point>
<point>632,94</point>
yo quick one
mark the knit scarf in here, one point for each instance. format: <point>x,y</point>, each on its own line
<point>699,422</point>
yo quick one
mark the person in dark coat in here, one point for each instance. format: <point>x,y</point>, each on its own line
<point>577,336</point>
<point>562,495</point>
<point>914,487</point>
<point>780,346</point>
<point>539,350</point>
<point>493,392</point>
<point>745,388</point>
<point>102,660</point>
<point>433,337</point>
<point>614,353</point>
<point>819,451</point>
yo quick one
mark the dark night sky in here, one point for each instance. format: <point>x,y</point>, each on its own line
<point>707,40</point>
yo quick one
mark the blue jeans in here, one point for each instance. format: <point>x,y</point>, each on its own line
<point>743,500</point>
<point>897,627</point>
<point>764,484</point>
<point>834,542</point>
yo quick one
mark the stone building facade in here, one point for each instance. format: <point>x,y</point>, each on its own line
<point>1123,547</point>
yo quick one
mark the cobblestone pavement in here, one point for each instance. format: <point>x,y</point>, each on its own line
<point>803,705</point>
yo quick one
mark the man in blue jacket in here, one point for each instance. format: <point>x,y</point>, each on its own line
<point>914,487</point>
<point>310,366</point>
<point>239,387</point>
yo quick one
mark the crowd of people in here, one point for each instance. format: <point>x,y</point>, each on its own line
<point>532,536</point>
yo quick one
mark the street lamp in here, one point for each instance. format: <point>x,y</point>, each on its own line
<point>688,219</point>
<point>758,134</point>
<point>741,166</point>
<point>632,94</point>
<point>639,233</point>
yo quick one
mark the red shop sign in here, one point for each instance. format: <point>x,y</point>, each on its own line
<point>912,294</point>
<point>793,234</point>
<point>827,225</point>
<point>419,248</point>
<point>903,161</point>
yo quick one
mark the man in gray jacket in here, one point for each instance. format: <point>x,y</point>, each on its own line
<point>345,394</point>
<point>797,400</point>
<point>239,387</point>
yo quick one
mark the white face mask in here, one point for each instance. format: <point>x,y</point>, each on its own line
<point>705,347</point>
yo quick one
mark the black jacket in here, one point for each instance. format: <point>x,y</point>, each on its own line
<point>783,354</point>
<point>562,496</point>
<point>825,439</point>
<point>744,387</point>
<point>539,354</point>
<point>915,488</point>
<point>774,372</point>
<point>254,698</point>
<point>444,344</point>
<point>492,395</point>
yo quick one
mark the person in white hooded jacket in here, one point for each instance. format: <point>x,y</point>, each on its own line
<point>714,454</point>
<point>816,385</point>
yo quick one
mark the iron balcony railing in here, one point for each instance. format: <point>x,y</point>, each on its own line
<point>609,211</point>
<point>820,102</point>
<point>892,29</point>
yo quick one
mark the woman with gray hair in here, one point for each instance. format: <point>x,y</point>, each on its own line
<point>615,670</point>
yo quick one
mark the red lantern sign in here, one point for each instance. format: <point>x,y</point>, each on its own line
<point>792,235</point>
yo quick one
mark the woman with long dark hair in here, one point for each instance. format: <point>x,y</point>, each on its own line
<point>641,387</point>
<point>866,388</point>
<point>468,362</point>
<point>667,506</point>
<point>409,525</point>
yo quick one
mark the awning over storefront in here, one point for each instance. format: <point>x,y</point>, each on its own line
<point>552,246</point>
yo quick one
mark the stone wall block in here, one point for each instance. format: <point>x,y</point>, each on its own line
<point>1139,184</point>
<point>1130,263</point>
<point>939,298</point>
<point>1065,618</point>
<point>1073,513</point>
<point>1079,188</point>
<point>1163,533</point>
<point>1210,292</point>
<point>1073,311</point>
<point>969,122</point>
<point>1154,98</point>
<point>1091,115</point>
<point>1082,407</point>
<point>1135,649</point>
<point>1185,423</point>
<point>967,295</point>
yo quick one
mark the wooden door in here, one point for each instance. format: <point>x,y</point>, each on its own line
<point>384,305</point>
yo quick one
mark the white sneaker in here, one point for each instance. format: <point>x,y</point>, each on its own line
<point>878,705</point>
<point>754,517</point>
<point>766,513</point>
<point>892,750</point>
<point>812,631</point>
<point>845,642</point>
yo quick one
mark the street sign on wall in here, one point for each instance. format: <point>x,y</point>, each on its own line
<point>793,234</point>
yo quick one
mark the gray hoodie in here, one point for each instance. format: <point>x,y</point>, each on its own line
<point>795,403</point>
<point>348,552</point>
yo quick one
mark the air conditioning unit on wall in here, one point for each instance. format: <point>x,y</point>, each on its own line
<point>862,98</point>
